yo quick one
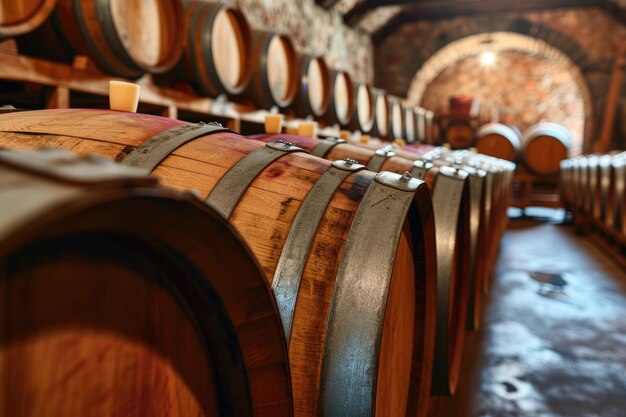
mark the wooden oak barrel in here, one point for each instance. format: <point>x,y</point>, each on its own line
<point>459,134</point>
<point>607,190</point>
<point>342,99</point>
<point>498,140</point>
<point>217,55</point>
<point>313,95</point>
<point>410,123</point>
<point>420,125</point>
<point>123,297</point>
<point>274,76</point>
<point>451,203</point>
<point>358,315</point>
<point>396,118</point>
<point>382,114</point>
<point>126,38</point>
<point>618,165</point>
<point>363,113</point>
<point>544,146</point>
<point>22,16</point>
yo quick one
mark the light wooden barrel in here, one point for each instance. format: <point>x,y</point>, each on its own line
<point>274,75</point>
<point>544,146</point>
<point>498,140</point>
<point>396,118</point>
<point>342,99</point>
<point>410,123</point>
<point>22,16</point>
<point>313,95</point>
<point>459,134</point>
<point>382,114</point>
<point>126,38</point>
<point>363,113</point>
<point>358,314</point>
<point>217,55</point>
<point>451,204</point>
<point>123,297</point>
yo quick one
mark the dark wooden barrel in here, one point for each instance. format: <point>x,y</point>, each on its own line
<point>358,315</point>
<point>217,55</point>
<point>363,113</point>
<point>342,98</point>
<point>544,146</point>
<point>451,204</point>
<point>313,95</point>
<point>382,114</point>
<point>22,16</point>
<point>410,123</point>
<point>498,140</point>
<point>396,118</point>
<point>274,75</point>
<point>125,38</point>
<point>123,297</point>
<point>459,134</point>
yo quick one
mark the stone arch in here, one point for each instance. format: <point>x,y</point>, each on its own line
<point>549,40</point>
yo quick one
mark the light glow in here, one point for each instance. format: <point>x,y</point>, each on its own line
<point>487,58</point>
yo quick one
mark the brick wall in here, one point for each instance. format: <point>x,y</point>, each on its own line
<point>525,88</point>
<point>588,36</point>
<point>314,30</point>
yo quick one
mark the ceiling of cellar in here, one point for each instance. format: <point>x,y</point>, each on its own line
<point>381,17</point>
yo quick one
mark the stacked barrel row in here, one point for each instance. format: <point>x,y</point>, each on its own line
<point>333,289</point>
<point>208,48</point>
<point>592,189</point>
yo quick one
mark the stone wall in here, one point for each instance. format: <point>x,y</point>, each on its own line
<point>314,30</point>
<point>524,88</point>
<point>588,36</point>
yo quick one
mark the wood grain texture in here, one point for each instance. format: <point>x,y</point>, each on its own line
<point>158,307</point>
<point>21,16</point>
<point>263,216</point>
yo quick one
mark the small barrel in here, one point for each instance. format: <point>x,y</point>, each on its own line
<point>396,118</point>
<point>410,123</point>
<point>382,114</point>
<point>217,55</point>
<point>460,134</point>
<point>125,38</point>
<point>310,223</point>
<point>18,17</point>
<point>457,242</point>
<point>121,295</point>
<point>498,140</point>
<point>274,62</point>
<point>363,112</point>
<point>544,146</point>
<point>313,95</point>
<point>342,99</point>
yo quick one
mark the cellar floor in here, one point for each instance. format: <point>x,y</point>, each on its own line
<point>542,352</point>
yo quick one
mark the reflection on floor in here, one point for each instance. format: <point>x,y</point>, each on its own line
<point>548,350</point>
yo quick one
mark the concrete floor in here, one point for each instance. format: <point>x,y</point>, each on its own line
<point>545,353</point>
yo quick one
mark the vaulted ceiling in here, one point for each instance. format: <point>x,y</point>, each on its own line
<point>381,17</point>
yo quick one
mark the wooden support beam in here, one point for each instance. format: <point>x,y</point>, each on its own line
<point>603,143</point>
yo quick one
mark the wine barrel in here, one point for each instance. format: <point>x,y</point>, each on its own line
<point>420,125</point>
<point>607,190</point>
<point>498,140</point>
<point>342,99</point>
<point>382,114</point>
<point>274,62</point>
<point>410,123</point>
<point>432,130</point>
<point>618,165</point>
<point>363,113</point>
<point>313,95</point>
<point>396,118</point>
<point>217,55</point>
<point>125,38</point>
<point>22,16</point>
<point>358,315</point>
<point>544,146</point>
<point>459,134</point>
<point>451,203</point>
<point>111,284</point>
